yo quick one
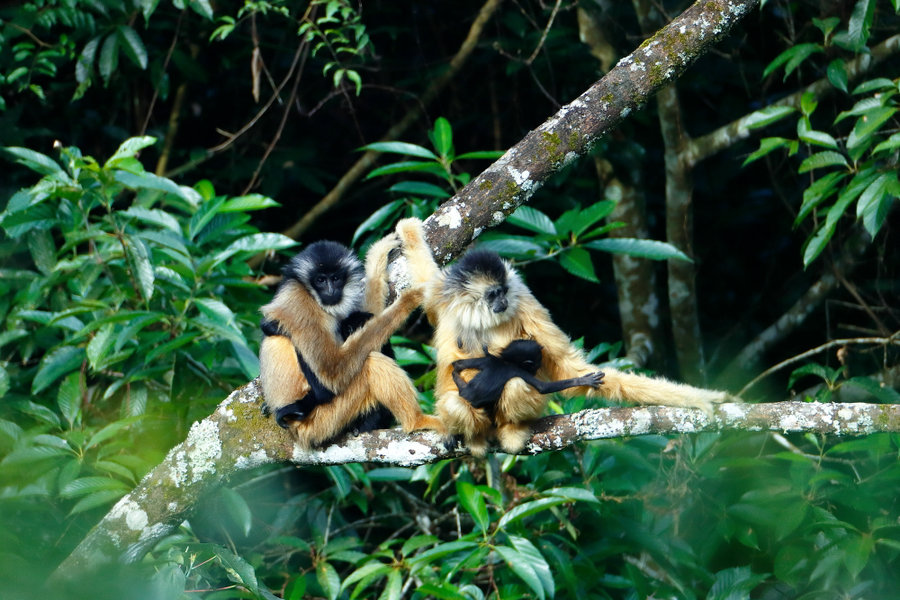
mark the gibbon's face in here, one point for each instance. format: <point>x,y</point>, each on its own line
<point>482,290</point>
<point>332,273</point>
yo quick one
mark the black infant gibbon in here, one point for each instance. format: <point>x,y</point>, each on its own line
<point>517,365</point>
<point>481,301</point>
<point>321,370</point>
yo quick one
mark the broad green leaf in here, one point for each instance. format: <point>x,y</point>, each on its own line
<point>54,365</point>
<point>837,74</point>
<point>237,509</point>
<point>372,570</point>
<point>416,542</point>
<point>259,242</point>
<point>149,181</point>
<point>577,261</point>
<point>85,64</point>
<point>868,124</point>
<point>202,8</point>
<point>593,213</point>
<point>442,137</point>
<point>35,161</point>
<point>850,193</point>
<point>410,166</point>
<point>768,145</point>
<point>860,108</point>
<point>875,202</point>
<point>521,566</point>
<point>735,584</point>
<point>129,149</point>
<point>419,188</point>
<point>109,57</point>
<point>651,249</point>
<point>532,220</point>
<point>17,224</point>
<point>141,267</point>
<point>573,493</point>
<point>537,561</point>
<point>43,250</point>
<point>133,45</point>
<point>109,431</point>
<point>881,392</point>
<point>792,58</point>
<point>154,217</point>
<point>442,591</point>
<point>818,192</point>
<point>767,116</point>
<point>440,551</point>
<point>170,346</point>
<point>33,454</point>
<point>874,85</point>
<point>99,347</point>
<point>892,143</point>
<point>818,138</point>
<point>247,203</point>
<point>821,160</point>
<point>89,485</point>
<point>527,509</point>
<point>68,399</point>
<point>858,28</point>
<point>328,579</point>
<point>471,499</point>
<point>401,148</point>
<point>239,570</point>
<point>4,386</point>
<point>482,154</point>
<point>378,218</point>
<point>516,248</point>
<point>394,586</point>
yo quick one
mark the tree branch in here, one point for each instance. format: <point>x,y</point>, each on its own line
<point>237,437</point>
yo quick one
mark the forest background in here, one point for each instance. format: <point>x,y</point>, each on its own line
<point>161,159</point>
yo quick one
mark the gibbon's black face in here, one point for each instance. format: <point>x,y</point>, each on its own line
<point>331,272</point>
<point>525,354</point>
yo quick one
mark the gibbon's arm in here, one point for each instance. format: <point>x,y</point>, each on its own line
<point>592,380</point>
<point>334,363</point>
<point>376,272</point>
<point>423,270</point>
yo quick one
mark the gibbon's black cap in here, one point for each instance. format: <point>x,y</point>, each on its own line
<point>478,262</point>
<point>325,254</point>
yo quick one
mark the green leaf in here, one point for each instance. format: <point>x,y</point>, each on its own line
<point>735,584</point>
<point>818,138</point>
<point>821,160</point>
<point>109,57</point>
<point>892,143</point>
<point>129,149</point>
<point>792,58</point>
<point>259,242</point>
<point>43,250</point>
<point>328,579</point>
<point>68,399</point>
<point>54,365</point>
<point>527,509</point>
<point>109,431</point>
<point>769,145</point>
<point>516,248</point>
<point>481,154</point>
<point>35,161</point>
<point>440,551</point>
<point>238,569</point>
<point>154,217</point>
<point>577,261</point>
<point>247,203</point>
<point>592,214</point>
<point>537,561</point>
<point>442,137</point>
<point>401,148</point>
<point>149,181</point>
<point>858,28</point>
<point>237,509</point>
<point>419,188</point>
<point>378,218</point>
<point>874,85</point>
<point>202,8</point>
<point>85,63</point>
<point>522,567</point>
<point>410,166</point>
<point>473,501</point>
<point>837,74</point>
<point>851,192</point>
<point>875,202</point>
<point>141,267</point>
<point>767,116</point>
<point>880,391</point>
<point>651,249</point>
<point>868,124</point>
<point>89,485</point>
<point>4,386</point>
<point>819,191</point>
<point>532,220</point>
<point>133,46</point>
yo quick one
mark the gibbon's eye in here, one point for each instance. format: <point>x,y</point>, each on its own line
<point>529,364</point>
<point>320,279</point>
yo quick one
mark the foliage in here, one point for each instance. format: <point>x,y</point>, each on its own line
<point>859,167</point>
<point>115,322</point>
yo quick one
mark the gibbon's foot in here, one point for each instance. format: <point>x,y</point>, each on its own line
<point>453,442</point>
<point>295,411</point>
<point>593,380</point>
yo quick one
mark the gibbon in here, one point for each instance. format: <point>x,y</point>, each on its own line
<point>480,300</point>
<point>321,370</point>
<point>516,365</point>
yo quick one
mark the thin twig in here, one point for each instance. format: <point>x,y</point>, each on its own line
<point>894,339</point>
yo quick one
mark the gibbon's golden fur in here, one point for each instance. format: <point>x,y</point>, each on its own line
<point>480,300</point>
<point>348,379</point>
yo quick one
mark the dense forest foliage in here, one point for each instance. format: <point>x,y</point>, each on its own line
<point>163,158</point>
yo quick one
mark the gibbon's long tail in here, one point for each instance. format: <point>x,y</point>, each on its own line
<point>629,387</point>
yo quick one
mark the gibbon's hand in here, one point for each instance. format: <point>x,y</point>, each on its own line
<point>593,380</point>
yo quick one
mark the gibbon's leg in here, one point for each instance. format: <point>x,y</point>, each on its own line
<point>390,385</point>
<point>630,387</point>
<point>279,373</point>
<point>519,405</point>
<point>460,417</point>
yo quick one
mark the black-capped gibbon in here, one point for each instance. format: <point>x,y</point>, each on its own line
<point>516,366</point>
<point>481,300</point>
<point>321,369</point>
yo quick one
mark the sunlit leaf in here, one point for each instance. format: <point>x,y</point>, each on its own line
<point>401,148</point>
<point>652,249</point>
<point>767,116</point>
<point>532,220</point>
